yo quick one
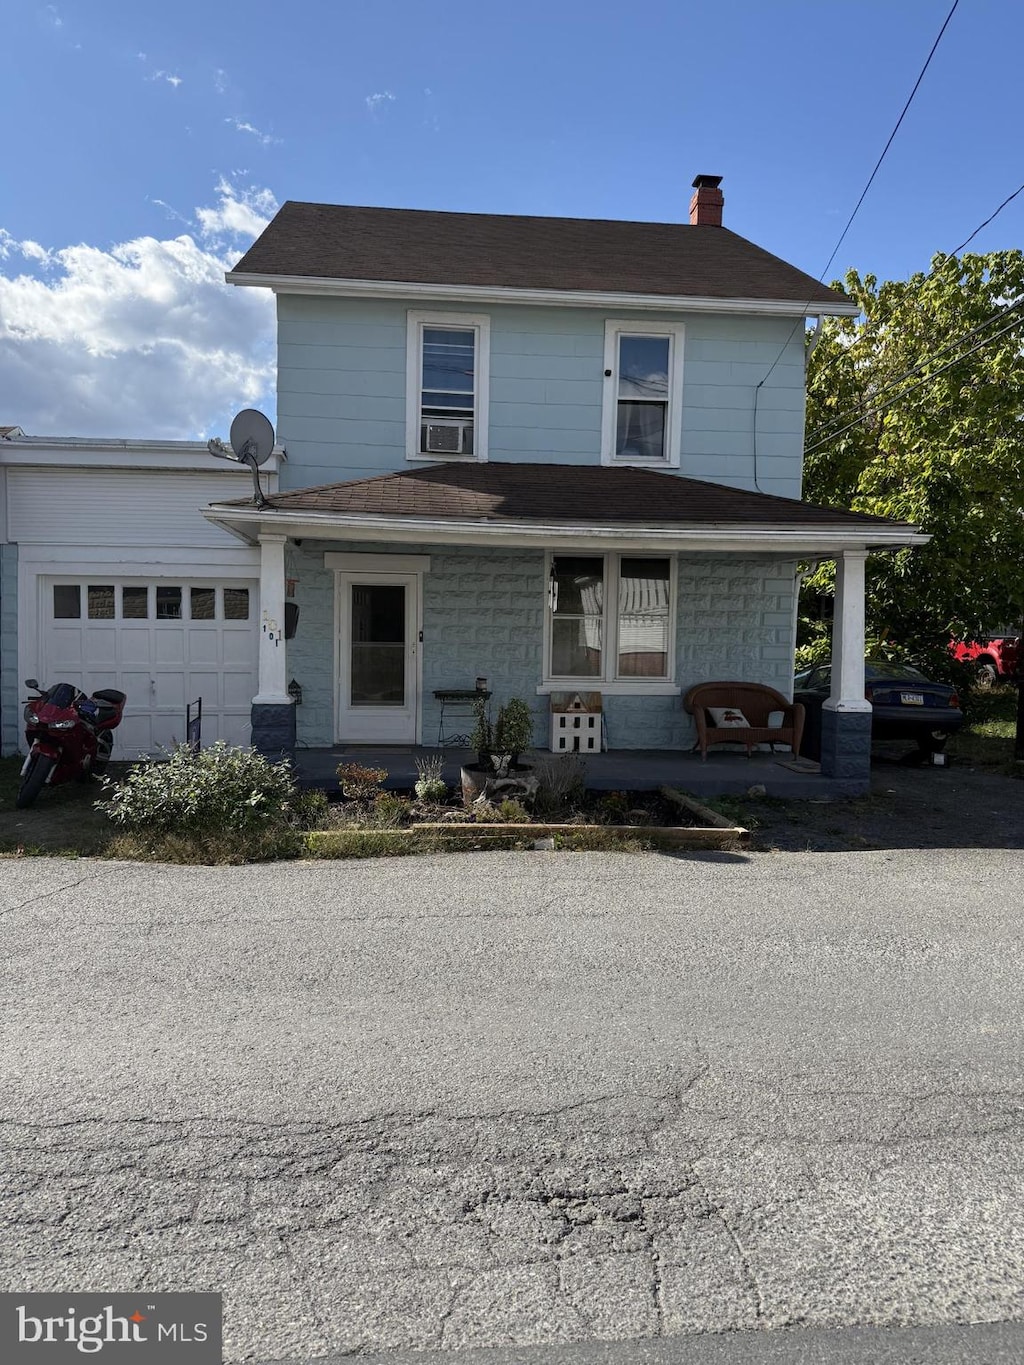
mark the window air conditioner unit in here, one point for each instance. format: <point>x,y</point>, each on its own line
<point>449,438</point>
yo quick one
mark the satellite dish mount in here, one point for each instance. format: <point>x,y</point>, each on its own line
<point>252,441</point>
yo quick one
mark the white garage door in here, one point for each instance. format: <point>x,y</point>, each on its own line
<point>164,643</point>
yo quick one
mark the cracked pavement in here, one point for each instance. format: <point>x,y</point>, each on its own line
<point>466,1101</point>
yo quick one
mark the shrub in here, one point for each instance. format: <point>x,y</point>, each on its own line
<point>389,811</point>
<point>430,784</point>
<point>360,784</point>
<point>513,812</point>
<point>308,809</point>
<point>559,781</point>
<point>513,730</point>
<point>222,790</point>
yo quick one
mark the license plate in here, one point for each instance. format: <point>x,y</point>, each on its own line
<point>912,698</point>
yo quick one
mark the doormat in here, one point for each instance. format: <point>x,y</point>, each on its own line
<point>799,765</point>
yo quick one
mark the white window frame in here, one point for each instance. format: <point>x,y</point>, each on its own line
<point>480,323</point>
<point>608,682</point>
<point>614,328</point>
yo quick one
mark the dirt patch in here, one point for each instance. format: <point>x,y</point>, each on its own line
<point>63,820</point>
<point>910,806</point>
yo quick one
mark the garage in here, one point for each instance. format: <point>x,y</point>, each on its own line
<point>164,644</point>
<point>110,576</point>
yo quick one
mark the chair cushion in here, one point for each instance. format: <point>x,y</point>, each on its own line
<point>728,718</point>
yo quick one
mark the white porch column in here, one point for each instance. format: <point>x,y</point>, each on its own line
<point>848,635</point>
<point>273,655</point>
<point>846,715</point>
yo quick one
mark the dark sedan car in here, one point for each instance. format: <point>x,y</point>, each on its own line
<point>904,704</point>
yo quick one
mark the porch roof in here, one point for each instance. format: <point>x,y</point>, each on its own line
<point>492,501</point>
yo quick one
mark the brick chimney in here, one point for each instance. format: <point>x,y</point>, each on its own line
<point>707,201</point>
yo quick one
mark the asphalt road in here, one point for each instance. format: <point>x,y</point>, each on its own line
<point>469,1101</point>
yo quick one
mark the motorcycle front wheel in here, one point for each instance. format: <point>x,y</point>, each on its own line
<point>34,780</point>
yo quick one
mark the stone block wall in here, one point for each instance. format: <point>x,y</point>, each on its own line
<point>484,614</point>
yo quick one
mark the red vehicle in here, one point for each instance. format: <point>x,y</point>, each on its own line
<point>69,735</point>
<point>995,656</point>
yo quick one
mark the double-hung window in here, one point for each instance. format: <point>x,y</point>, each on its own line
<point>642,412</point>
<point>610,619</point>
<point>446,388</point>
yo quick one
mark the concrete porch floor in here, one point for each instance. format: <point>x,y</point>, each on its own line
<point>724,773</point>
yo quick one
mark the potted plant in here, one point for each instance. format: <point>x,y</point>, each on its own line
<point>513,730</point>
<point>498,749</point>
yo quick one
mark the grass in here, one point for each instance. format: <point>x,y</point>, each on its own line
<point>988,741</point>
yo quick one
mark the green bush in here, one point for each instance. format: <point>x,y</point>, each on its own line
<point>222,790</point>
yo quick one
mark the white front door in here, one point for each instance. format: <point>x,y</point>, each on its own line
<point>378,665</point>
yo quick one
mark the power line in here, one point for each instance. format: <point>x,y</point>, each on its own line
<point>870,180</point>
<point>826,435</point>
<point>880,407</point>
<point>1008,200</point>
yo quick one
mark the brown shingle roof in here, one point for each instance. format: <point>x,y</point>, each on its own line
<point>333,241</point>
<point>589,495</point>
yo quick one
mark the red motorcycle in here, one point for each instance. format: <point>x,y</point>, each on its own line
<point>69,735</point>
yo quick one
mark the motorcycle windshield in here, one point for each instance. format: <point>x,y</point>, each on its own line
<point>61,695</point>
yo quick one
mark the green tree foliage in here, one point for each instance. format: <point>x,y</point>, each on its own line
<point>946,454</point>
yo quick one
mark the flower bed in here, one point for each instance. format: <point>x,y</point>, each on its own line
<point>559,812</point>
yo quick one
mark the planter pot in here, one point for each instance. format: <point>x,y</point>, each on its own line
<point>480,782</point>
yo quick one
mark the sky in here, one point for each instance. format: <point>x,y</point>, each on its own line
<point>146,145</point>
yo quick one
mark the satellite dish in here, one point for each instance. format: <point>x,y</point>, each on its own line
<point>252,436</point>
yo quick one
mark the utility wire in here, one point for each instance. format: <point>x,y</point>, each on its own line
<point>880,407</point>
<point>1008,200</point>
<point>824,431</point>
<point>870,180</point>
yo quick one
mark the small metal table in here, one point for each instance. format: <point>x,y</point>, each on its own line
<point>457,704</point>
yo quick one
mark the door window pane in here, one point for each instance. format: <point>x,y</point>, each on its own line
<point>236,604</point>
<point>643,618</point>
<point>202,603</point>
<point>168,604</point>
<point>101,602</point>
<point>377,669</point>
<point>67,601</point>
<point>577,616</point>
<point>134,604</point>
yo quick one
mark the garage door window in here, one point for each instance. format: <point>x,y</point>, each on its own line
<point>203,604</point>
<point>168,604</point>
<point>236,604</point>
<point>160,602</point>
<point>101,602</point>
<point>67,602</point>
<point>134,604</point>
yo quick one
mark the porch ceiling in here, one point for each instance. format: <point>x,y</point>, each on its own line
<point>558,506</point>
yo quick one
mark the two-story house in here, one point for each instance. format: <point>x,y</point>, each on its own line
<point>556,454</point>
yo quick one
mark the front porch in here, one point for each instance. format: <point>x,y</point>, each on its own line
<point>724,774</point>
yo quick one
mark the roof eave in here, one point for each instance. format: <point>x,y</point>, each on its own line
<point>765,537</point>
<point>578,298</point>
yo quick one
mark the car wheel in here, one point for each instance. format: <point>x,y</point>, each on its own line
<point>933,742</point>
<point>985,676</point>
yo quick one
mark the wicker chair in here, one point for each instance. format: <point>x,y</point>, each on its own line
<point>757,702</point>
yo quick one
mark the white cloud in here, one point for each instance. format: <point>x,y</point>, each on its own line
<point>142,340</point>
<point>54,17</point>
<point>382,97</point>
<point>220,81</point>
<point>265,139</point>
<point>166,76</point>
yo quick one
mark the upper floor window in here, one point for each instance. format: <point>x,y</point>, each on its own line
<point>446,390</point>
<point>642,416</point>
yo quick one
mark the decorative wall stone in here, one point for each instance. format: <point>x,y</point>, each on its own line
<point>273,730</point>
<point>846,746</point>
<point>484,615</point>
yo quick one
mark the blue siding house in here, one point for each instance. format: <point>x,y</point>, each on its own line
<point>561,455</point>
